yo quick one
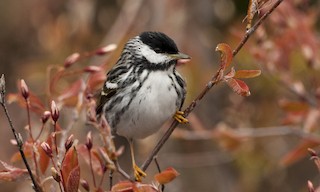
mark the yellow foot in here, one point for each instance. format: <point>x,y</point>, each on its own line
<point>138,173</point>
<point>180,118</point>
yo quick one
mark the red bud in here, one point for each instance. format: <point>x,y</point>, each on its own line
<point>89,141</point>
<point>85,184</point>
<point>54,111</point>
<point>24,89</point>
<point>47,149</point>
<point>106,49</point>
<point>69,142</point>
<point>71,60</point>
<point>310,186</point>
<point>92,69</point>
<point>45,116</point>
<point>55,174</point>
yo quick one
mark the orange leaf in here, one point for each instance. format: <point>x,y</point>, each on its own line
<point>70,171</point>
<point>166,176</point>
<point>239,87</point>
<point>241,74</point>
<point>12,173</point>
<point>299,152</point>
<point>226,55</point>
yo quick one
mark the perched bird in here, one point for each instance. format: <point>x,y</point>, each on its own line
<point>143,89</point>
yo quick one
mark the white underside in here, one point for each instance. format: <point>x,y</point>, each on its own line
<point>154,104</point>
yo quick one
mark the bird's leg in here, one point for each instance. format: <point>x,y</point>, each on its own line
<point>138,173</point>
<point>180,118</point>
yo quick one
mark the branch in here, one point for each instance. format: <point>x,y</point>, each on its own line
<point>254,28</point>
<point>215,80</point>
<point>16,135</point>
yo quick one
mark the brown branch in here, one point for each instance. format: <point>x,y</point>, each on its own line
<point>16,135</point>
<point>254,28</point>
<point>214,81</point>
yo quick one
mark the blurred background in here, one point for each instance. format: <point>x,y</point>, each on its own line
<point>233,143</point>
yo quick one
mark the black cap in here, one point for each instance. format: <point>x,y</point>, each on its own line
<point>159,42</point>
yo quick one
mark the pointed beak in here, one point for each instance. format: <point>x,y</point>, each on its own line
<point>181,58</point>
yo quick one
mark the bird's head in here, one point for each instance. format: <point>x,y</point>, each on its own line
<point>158,49</point>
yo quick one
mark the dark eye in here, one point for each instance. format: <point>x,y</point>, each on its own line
<point>157,50</point>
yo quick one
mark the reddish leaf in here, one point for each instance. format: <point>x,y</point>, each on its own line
<point>138,187</point>
<point>70,95</point>
<point>73,180</point>
<point>230,74</point>
<point>44,160</point>
<point>27,149</point>
<point>226,55</point>
<point>128,186</point>
<point>242,74</point>
<point>123,186</point>
<point>299,152</point>
<point>11,173</point>
<point>36,104</point>
<point>166,176</point>
<point>96,160</point>
<point>239,87</point>
<point>95,81</point>
<point>70,171</point>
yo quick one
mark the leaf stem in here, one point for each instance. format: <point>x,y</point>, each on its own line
<point>31,137</point>
<point>91,168</point>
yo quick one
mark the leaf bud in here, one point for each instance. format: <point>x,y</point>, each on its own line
<point>54,111</point>
<point>24,89</point>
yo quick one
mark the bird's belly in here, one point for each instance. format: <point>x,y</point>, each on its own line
<point>154,103</point>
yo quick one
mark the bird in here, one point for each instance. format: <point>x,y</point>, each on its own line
<point>143,89</point>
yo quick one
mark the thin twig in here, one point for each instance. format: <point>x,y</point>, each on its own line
<point>159,170</point>
<point>17,136</point>
<point>215,80</point>
<point>254,27</point>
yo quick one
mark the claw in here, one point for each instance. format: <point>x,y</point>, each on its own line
<point>180,118</point>
<point>138,173</point>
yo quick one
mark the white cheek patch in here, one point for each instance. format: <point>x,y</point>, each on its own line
<point>152,56</point>
<point>110,85</point>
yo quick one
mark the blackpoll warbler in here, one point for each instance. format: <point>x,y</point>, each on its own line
<point>143,89</point>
